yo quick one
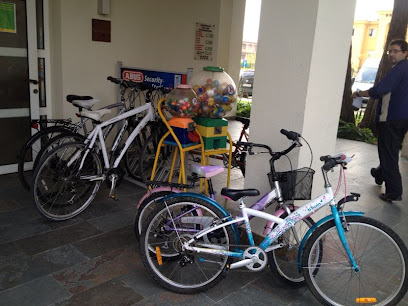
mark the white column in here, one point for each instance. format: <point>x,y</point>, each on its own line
<point>301,65</point>
<point>232,13</point>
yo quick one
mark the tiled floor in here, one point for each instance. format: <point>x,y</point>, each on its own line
<point>93,259</point>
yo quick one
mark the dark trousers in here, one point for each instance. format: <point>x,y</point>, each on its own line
<point>390,137</point>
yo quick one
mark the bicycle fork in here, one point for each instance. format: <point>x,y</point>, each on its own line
<point>340,231</point>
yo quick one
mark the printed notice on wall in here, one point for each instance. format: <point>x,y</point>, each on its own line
<point>204,44</point>
<point>7,17</point>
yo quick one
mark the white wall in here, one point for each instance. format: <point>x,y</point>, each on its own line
<point>301,65</point>
<point>155,35</point>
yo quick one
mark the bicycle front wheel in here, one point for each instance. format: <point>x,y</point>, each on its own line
<point>165,231</point>
<point>60,188</point>
<point>379,252</point>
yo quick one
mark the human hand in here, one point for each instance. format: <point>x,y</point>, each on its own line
<point>356,94</point>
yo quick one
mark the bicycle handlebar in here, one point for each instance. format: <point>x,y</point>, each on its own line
<point>329,161</point>
<point>130,84</point>
<point>291,135</point>
<point>332,161</point>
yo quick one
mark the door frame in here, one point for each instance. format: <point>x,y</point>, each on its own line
<point>32,56</point>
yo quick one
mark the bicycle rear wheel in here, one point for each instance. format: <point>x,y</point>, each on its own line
<point>146,159</point>
<point>32,148</point>
<point>283,262</point>
<point>379,252</point>
<point>133,153</point>
<point>62,191</point>
<point>56,141</point>
<point>165,231</point>
<point>145,209</point>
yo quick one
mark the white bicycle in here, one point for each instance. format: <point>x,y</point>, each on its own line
<point>69,176</point>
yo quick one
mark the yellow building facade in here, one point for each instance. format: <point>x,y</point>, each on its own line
<point>368,39</point>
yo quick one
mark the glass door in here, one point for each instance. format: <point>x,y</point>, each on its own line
<point>18,78</point>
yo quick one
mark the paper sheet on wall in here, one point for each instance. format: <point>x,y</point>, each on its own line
<point>204,44</point>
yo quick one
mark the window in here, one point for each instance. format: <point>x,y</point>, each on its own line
<point>371,32</point>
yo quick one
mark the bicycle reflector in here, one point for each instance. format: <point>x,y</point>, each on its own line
<point>34,125</point>
<point>366,300</point>
<point>158,256</point>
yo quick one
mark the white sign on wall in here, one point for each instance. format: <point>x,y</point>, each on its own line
<point>204,44</point>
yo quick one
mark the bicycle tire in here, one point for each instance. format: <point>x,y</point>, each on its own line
<point>242,162</point>
<point>283,262</point>
<point>187,272</point>
<point>61,192</point>
<point>133,153</point>
<point>145,209</point>
<point>379,252</point>
<point>57,141</point>
<point>31,148</point>
<point>147,157</point>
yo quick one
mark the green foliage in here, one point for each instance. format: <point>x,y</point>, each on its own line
<point>358,116</point>
<point>243,108</point>
<point>350,131</point>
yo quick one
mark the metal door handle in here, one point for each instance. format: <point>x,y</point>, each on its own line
<point>35,82</point>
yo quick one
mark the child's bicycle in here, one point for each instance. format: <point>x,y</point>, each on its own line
<point>190,242</point>
<point>283,262</point>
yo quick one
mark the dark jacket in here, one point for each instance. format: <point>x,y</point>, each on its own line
<point>396,82</point>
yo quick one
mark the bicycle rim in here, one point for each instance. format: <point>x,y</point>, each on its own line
<point>182,271</point>
<point>284,261</point>
<point>148,155</point>
<point>61,191</point>
<point>134,152</point>
<point>379,253</point>
<point>146,208</point>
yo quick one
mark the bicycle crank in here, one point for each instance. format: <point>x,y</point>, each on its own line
<point>254,259</point>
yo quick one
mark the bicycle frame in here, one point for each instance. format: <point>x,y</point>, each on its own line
<point>283,225</point>
<point>97,134</point>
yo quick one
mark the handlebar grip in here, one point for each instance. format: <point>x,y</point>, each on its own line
<point>324,158</point>
<point>113,80</point>
<point>290,134</point>
<point>329,164</point>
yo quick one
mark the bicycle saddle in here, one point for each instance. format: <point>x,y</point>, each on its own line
<point>236,194</point>
<point>95,115</point>
<point>82,101</point>
<point>244,121</point>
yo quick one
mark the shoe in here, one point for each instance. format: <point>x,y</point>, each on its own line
<point>377,180</point>
<point>386,198</point>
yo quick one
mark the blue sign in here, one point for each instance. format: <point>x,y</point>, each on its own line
<point>155,78</point>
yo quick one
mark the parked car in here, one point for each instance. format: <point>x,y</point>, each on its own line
<point>246,83</point>
<point>366,76</point>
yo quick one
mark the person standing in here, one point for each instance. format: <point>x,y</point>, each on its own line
<point>392,119</point>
